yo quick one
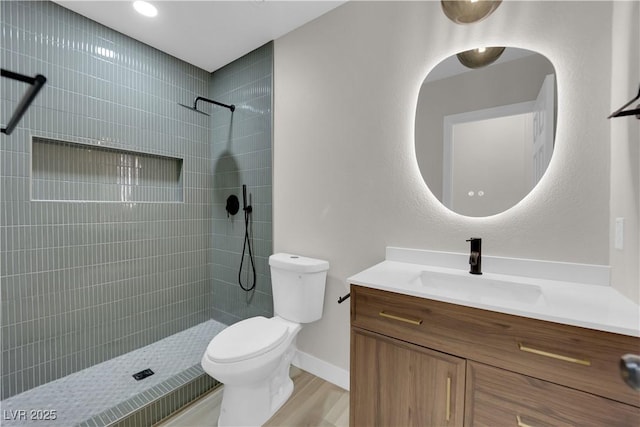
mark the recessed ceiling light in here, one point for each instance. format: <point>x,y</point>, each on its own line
<point>144,8</point>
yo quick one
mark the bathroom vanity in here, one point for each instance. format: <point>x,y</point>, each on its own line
<point>426,353</point>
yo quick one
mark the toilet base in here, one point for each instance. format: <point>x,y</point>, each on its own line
<point>254,389</point>
<point>253,404</point>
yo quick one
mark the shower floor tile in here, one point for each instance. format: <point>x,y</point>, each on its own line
<point>84,394</point>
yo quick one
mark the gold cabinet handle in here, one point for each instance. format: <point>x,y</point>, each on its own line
<point>520,423</point>
<point>584,362</point>
<point>448,410</point>
<point>402,319</point>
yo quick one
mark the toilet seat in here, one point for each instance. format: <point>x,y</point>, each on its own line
<point>246,339</point>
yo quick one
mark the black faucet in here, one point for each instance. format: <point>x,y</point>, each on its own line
<point>475,258</point>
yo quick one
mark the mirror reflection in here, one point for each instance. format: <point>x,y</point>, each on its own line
<point>484,137</point>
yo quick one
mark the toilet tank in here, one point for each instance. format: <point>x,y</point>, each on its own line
<point>298,286</point>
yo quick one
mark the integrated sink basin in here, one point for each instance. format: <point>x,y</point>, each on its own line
<point>571,294</point>
<point>479,288</point>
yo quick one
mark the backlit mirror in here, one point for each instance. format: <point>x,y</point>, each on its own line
<point>484,137</point>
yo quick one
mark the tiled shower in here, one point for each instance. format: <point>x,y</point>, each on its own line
<point>241,154</point>
<point>113,232</point>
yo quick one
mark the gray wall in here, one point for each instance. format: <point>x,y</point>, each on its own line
<point>241,154</point>
<point>84,282</point>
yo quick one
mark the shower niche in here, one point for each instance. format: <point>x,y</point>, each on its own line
<point>70,171</point>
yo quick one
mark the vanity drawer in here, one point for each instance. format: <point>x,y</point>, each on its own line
<point>495,397</point>
<point>580,358</point>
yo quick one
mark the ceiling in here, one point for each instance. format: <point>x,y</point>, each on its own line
<point>208,34</point>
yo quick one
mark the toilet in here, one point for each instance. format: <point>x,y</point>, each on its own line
<point>252,357</point>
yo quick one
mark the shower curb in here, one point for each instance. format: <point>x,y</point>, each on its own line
<point>157,403</point>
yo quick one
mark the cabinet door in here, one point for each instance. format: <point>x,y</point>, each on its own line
<point>496,397</point>
<point>394,383</point>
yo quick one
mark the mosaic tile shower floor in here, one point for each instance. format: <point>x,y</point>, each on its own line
<point>83,395</point>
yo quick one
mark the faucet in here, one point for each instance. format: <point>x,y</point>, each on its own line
<point>475,257</point>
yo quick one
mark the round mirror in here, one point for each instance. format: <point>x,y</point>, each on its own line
<point>485,136</point>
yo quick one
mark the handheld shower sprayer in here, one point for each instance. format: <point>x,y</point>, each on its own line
<point>244,200</point>
<point>247,243</point>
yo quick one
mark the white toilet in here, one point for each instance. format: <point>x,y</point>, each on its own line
<point>252,357</point>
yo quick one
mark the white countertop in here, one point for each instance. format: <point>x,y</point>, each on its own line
<point>590,306</point>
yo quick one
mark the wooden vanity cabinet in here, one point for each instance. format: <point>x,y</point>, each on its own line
<point>420,362</point>
<point>497,397</point>
<point>401,384</point>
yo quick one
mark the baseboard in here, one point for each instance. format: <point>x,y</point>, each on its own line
<point>322,369</point>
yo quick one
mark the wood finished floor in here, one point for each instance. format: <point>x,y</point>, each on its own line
<point>314,402</point>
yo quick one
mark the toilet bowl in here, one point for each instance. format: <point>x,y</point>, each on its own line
<point>252,360</point>
<point>252,357</point>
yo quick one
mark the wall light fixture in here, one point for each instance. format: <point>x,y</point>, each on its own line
<point>468,11</point>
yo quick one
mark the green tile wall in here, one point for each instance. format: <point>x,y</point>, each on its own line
<point>81,283</point>
<point>241,154</point>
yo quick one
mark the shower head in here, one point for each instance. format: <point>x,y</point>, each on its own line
<point>193,109</point>
<point>200,98</point>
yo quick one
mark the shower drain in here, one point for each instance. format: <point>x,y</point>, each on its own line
<point>143,374</point>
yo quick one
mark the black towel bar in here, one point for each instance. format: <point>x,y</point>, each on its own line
<point>36,84</point>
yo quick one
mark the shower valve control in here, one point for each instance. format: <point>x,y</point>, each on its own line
<point>233,205</point>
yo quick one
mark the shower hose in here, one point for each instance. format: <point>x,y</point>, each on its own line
<point>246,245</point>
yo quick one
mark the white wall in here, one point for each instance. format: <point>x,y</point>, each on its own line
<point>625,149</point>
<point>346,181</point>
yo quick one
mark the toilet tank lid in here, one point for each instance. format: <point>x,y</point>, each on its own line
<point>297,263</point>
